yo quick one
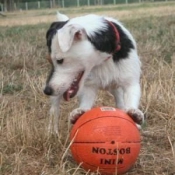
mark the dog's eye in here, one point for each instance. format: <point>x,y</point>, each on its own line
<point>60,61</point>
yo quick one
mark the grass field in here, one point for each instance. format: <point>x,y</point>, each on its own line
<point>26,148</point>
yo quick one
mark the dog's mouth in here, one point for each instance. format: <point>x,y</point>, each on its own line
<point>74,87</point>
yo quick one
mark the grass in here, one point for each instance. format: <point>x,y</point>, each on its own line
<point>118,11</point>
<point>27,148</point>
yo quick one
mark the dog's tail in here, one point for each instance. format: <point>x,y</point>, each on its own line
<point>61,17</point>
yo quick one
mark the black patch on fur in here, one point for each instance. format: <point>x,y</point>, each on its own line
<point>52,31</point>
<point>50,75</point>
<point>105,41</point>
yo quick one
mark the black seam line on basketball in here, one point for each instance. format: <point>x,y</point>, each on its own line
<point>104,168</point>
<point>89,142</point>
<point>108,142</point>
<point>107,116</point>
<point>132,142</point>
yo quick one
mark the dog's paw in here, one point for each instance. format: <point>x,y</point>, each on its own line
<point>136,115</point>
<point>76,114</point>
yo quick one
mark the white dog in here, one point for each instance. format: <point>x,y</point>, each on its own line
<point>88,53</point>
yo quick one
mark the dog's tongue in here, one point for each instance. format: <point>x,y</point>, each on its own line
<point>71,92</point>
<point>73,89</point>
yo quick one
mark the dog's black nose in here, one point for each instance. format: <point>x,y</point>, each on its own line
<point>48,90</point>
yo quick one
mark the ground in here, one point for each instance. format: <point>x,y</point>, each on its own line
<point>25,145</point>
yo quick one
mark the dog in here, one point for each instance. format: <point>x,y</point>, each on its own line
<point>89,53</point>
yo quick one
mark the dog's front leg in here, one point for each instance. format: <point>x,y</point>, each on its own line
<point>131,102</point>
<point>54,114</point>
<point>86,97</point>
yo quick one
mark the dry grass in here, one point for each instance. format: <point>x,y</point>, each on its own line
<point>120,12</point>
<point>27,148</point>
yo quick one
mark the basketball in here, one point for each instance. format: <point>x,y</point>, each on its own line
<point>105,140</point>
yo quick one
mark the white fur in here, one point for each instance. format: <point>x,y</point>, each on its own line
<point>61,17</point>
<point>121,79</point>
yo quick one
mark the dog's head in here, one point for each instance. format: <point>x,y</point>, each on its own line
<point>72,55</point>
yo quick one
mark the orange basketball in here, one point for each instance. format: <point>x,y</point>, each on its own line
<point>105,140</point>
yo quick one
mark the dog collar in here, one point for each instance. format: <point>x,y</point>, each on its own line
<point>118,44</point>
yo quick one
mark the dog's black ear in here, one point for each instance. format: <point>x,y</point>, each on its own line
<point>68,34</point>
<point>52,31</point>
<point>49,35</point>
